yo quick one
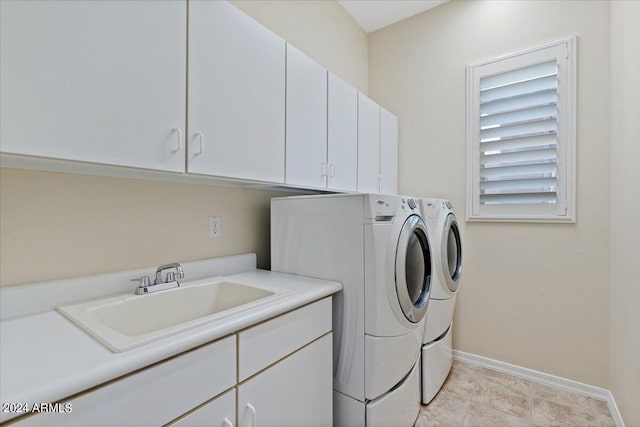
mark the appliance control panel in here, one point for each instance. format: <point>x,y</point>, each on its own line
<point>409,204</point>
<point>379,205</point>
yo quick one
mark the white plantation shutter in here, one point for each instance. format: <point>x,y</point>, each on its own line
<point>520,133</point>
<point>519,136</point>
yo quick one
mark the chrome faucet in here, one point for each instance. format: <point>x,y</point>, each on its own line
<point>171,276</point>
<point>170,282</point>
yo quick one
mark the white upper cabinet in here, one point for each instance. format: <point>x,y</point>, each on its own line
<point>368,145</point>
<point>306,121</point>
<point>342,138</point>
<point>115,83</point>
<point>377,148</point>
<point>236,95</point>
<point>99,82</point>
<point>388,152</point>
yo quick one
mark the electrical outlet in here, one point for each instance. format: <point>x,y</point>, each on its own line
<point>214,227</point>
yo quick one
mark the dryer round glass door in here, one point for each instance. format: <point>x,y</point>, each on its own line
<point>452,252</point>
<point>413,269</point>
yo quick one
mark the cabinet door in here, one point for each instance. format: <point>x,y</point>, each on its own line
<point>303,395</point>
<point>263,345</point>
<point>152,396</point>
<point>368,145</point>
<point>388,152</point>
<point>99,82</point>
<point>236,95</point>
<point>342,138</point>
<point>306,134</point>
<point>219,412</point>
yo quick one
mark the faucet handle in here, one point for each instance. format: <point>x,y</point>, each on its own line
<point>143,281</point>
<point>171,277</point>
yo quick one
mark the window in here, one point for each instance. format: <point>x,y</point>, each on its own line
<point>521,135</point>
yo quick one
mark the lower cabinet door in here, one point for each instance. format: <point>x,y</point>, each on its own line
<point>218,412</point>
<point>297,391</point>
<point>153,396</point>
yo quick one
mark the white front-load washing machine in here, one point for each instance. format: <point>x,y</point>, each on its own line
<point>437,353</point>
<point>378,247</point>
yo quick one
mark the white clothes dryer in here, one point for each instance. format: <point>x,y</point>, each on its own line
<point>447,254</point>
<point>437,353</point>
<point>378,247</point>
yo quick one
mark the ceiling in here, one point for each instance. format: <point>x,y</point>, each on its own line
<point>372,15</point>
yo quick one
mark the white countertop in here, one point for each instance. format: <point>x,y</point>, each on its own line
<point>45,357</point>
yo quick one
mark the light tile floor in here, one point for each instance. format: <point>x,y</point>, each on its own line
<point>474,396</point>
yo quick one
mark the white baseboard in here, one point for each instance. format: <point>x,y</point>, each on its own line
<point>542,378</point>
<point>615,412</point>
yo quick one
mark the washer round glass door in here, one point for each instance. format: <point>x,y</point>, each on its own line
<point>413,269</point>
<point>452,252</point>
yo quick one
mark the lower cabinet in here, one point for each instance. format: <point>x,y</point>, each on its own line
<point>296,391</point>
<point>218,412</point>
<point>151,396</point>
<point>284,378</point>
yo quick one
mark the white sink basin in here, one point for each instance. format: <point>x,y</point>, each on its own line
<point>126,321</point>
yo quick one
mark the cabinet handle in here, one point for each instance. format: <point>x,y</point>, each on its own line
<point>179,132</point>
<point>324,168</point>
<point>253,414</point>
<point>379,183</point>
<point>332,170</point>
<point>227,423</point>
<point>201,135</point>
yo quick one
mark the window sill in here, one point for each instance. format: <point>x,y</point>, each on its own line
<point>530,219</point>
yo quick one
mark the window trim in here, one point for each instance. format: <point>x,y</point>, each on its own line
<point>567,121</point>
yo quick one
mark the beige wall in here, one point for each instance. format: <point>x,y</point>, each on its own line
<point>56,225</point>
<point>62,225</point>
<point>321,29</point>
<point>535,295</point>
<point>625,205</point>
